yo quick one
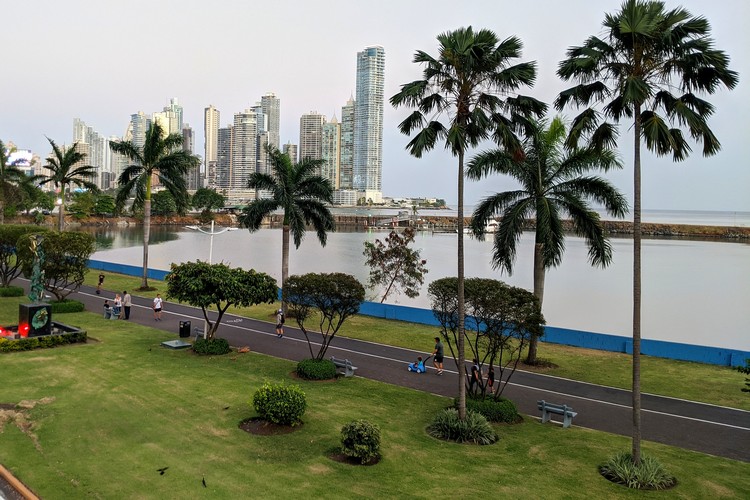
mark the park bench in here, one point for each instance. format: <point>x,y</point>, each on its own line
<point>198,332</point>
<point>549,408</point>
<point>344,366</point>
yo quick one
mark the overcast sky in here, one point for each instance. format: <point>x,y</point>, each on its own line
<point>101,61</point>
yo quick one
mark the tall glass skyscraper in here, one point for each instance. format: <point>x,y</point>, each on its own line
<point>368,122</point>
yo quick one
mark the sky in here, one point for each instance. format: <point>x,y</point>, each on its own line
<point>101,61</point>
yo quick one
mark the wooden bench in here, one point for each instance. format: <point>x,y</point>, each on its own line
<point>344,366</point>
<point>549,408</point>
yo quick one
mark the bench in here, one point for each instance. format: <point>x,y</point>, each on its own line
<point>549,408</point>
<point>344,366</point>
<point>198,332</point>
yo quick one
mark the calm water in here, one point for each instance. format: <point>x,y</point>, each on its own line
<point>694,292</point>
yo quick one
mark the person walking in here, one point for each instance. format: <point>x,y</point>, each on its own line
<point>437,356</point>
<point>99,286</point>
<point>127,301</point>
<point>157,307</point>
<point>279,323</point>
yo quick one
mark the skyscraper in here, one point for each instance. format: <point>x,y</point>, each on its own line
<point>346,167</point>
<point>211,135</point>
<point>244,155</point>
<point>331,151</point>
<point>291,151</point>
<point>368,123</point>
<point>311,135</point>
<point>271,106</point>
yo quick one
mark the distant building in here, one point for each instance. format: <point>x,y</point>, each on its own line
<point>311,136</point>
<point>291,151</point>
<point>368,123</point>
<point>346,162</point>
<point>211,120</point>
<point>271,106</point>
<point>331,151</point>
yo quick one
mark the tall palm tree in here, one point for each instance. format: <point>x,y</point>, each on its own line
<point>552,186</point>
<point>301,193</point>
<point>10,175</point>
<point>65,169</point>
<point>649,67</point>
<point>469,84</point>
<point>161,156</point>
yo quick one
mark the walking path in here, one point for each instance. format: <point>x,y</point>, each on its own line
<point>695,426</point>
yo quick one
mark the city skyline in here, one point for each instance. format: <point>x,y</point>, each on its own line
<point>311,68</point>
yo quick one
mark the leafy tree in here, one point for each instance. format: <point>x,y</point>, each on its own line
<point>83,203</point>
<point>104,205</point>
<point>394,266</point>
<point>161,157</point>
<point>163,203</point>
<point>471,83</point>
<point>334,297</point>
<point>205,285</point>
<point>301,193</point>
<point>10,175</point>
<point>65,170</point>
<point>66,257</point>
<point>746,370</point>
<point>650,66</point>
<point>208,200</point>
<point>552,185</point>
<point>501,320</point>
<point>10,264</point>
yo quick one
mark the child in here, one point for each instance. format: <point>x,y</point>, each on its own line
<point>107,310</point>
<point>417,366</point>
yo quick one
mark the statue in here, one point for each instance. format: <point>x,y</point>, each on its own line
<point>36,292</point>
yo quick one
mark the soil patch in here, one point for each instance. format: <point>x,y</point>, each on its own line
<point>346,459</point>
<point>261,427</point>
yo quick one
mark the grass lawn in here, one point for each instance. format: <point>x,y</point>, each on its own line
<point>679,379</point>
<point>108,414</point>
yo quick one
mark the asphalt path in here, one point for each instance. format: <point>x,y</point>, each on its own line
<point>690,425</point>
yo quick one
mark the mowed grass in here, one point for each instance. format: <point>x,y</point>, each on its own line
<point>719,385</point>
<point>113,411</point>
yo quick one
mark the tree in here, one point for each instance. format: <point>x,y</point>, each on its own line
<point>394,266</point>
<point>160,157</point>
<point>208,200</point>
<point>104,205</point>
<point>301,193</point>
<point>10,175</point>
<point>65,169</point>
<point>83,203</point>
<point>205,285</point>
<point>470,83</point>
<point>500,323</point>
<point>10,265</point>
<point>162,203</point>
<point>647,54</point>
<point>334,296</point>
<point>66,257</point>
<point>552,186</point>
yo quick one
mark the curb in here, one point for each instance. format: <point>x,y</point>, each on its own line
<point>20,488</point>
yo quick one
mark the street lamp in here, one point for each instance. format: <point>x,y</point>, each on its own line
<point>212,232</point>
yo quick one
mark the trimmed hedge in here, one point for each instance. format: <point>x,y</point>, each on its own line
<point>500,410</point>
<point>316,369</point>
<point>281,404</point>
<point>215,346</point>
<point>66,306</point>
<point>42,342</point>
<point>11,291</point>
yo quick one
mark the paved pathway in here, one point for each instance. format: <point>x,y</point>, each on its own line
<point>696,426</point>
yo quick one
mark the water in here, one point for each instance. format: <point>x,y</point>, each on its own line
<point>693,292</point>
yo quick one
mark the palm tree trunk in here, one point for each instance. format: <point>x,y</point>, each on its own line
<point>61,210</point>
<point>284,264</point>
<point>539,275</point>
<point>146,234</point>
<point>636,451</point>
<point>460,293</point>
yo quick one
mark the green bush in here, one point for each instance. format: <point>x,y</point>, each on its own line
<point>45,341</point>
<point>500,410</point>
<point>11,291</point>
<point>649,475</point>
<point>211,346</point>
<point>66,306</point>
<point>279,403</point>
<point>316,369</point>
<point>475,429</point>
<point>361,439</point>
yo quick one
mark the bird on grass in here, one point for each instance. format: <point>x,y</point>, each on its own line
<point>162,470</point>
<point>204,483</point>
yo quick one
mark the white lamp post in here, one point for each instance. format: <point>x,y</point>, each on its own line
<point>212,232</point>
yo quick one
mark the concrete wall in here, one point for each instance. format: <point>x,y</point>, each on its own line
<point>553,335</point>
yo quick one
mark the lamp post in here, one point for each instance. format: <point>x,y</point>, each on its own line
<point>211,233</point>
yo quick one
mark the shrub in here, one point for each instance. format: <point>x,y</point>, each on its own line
<point>500,410</point>
<point>475,429</point>
<point>215,346</point>
<point>649,475</point>
<point>11,291</point>
<point>30,343</point>
<point>361,439</point>
<point>66,306</point>
<point>316,369</point>
<point>279,403</point>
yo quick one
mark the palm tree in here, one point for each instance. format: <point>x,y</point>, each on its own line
<point>552,185</point>
<point>301,193</point>
<point>649,67</point>
<point>65,169</point>
<point>469,83</point>
<point>10,175</point>
<point>162,157</point>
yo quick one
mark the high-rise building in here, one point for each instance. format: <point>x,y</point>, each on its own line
<point>194,179</point>
<point>346,168</point>
<point>291,151</point>
<point>136,132</point>
<point>368,123</point>
<point>211,135</point>
<point>96,149</point>
<point>311,136</point>
<point>244,155</point>
<point>219,178</point>
<point>272,109</point>
<point>331,151</point>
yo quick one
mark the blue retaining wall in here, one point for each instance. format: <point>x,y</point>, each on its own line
<point>553,335</point>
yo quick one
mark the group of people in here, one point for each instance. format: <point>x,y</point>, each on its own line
<point>120,307</point>
<point>475,376</point>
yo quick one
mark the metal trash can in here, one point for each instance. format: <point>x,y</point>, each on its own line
<point>184,329</point>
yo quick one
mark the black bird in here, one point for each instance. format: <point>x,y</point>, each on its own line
<point>162,470</point>
<point>204,483</point>
<point>226,407</point>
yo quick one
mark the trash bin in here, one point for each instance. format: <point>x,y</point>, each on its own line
<point>184,329</point>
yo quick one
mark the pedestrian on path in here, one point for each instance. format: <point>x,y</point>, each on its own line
<point>157,307</point>
<point>99,286</point>
<point>280,323</point>
<point>437,360</point>
<point>127,301</point>
<point>116,306</point>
